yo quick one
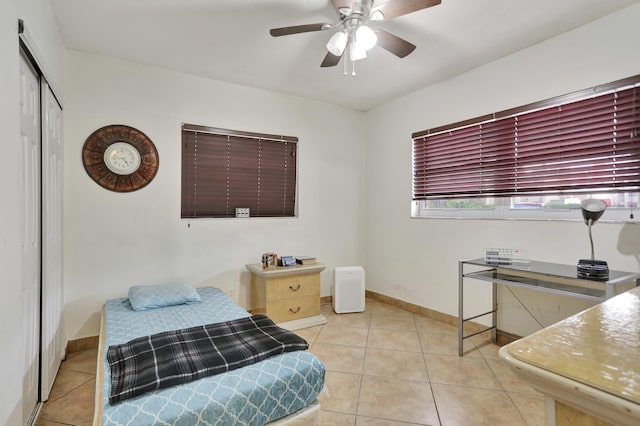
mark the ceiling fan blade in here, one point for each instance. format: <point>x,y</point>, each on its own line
<point>297,29</point>
<point>342,4</point>
<point>330,60</point>
<point>394,44</point>
<point>394,8</point>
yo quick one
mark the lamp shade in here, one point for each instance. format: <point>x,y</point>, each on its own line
<point>337,43</point>
<point>365,37</point>
<point>356,52</point>
<point>592,210</point>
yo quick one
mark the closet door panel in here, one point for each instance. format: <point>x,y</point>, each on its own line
<point>52,197</point>
<point>30,230</point>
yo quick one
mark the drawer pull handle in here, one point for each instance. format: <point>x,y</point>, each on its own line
<point>296,311</point>
<point>294,289</point>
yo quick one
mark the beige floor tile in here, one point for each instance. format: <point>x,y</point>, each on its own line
<point>394,322</point>
<point>370,301</point>
<point>355,319</point>
<point>487,348</point>
<point>382,338</point>
<point>385,309</point>
<point>530,406</point>
<point>447,344</point>
<point>349,336</point>
<point>428,325</point>
<point>75,408</point>
<point>398,400</point>
<point>83,361</point>
<point>327,311</point>
<point>344,390</point>
<point>309,334</point>
<point>44,422</point>
<point>329,418</point>
<point>461,371</point>
<point>343,359</point>
<point>369,421</point>
<point>463,406</point>
<point>396,364</point>
<point>68,380</point>
<point>508,380</point>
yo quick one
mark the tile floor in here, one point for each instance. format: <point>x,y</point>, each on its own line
<point>385,366</point>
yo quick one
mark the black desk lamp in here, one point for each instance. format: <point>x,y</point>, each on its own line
<point>592,269</point>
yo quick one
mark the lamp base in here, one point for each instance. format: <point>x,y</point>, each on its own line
<point>597,270</point>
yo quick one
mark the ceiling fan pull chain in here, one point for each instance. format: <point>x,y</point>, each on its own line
<point>344,72</point>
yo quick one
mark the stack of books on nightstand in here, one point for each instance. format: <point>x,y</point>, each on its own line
<point>305,260</point>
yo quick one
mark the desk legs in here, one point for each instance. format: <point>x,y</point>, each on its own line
<point>462,319</point>
<point>494,315</point>
<point>460,307</point>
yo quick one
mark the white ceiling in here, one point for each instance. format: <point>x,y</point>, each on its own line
<point>228,40</point>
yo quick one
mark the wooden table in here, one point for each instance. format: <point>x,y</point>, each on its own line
<point>587,366</point>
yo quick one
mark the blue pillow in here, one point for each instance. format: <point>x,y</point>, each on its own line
<point>143,297</point>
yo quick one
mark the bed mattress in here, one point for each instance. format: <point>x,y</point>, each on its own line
<point>252,395</point>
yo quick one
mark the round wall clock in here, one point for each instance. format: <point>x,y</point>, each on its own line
<point>120,158</point>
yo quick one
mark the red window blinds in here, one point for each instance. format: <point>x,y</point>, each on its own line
<point>223,170</point>
<point>589,145</point>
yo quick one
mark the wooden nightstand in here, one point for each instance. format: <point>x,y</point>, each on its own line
<point>290,296</point>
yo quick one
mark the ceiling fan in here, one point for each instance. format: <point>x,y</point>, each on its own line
<point>353,33</point>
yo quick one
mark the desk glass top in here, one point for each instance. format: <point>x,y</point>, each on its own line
<point>555,270</point>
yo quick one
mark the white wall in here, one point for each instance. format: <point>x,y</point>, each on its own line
<point>40,23</point>
<point>416,259</point>
<point>10,309</point>
<point>115,240</point>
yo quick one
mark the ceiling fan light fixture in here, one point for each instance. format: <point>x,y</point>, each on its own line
<point>356,52</point>
<point>337,43</point>
<point>366,38</point>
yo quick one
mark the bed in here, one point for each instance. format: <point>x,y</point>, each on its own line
<point>279,390</point>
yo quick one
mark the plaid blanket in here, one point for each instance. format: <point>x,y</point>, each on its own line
<point>170,358</point>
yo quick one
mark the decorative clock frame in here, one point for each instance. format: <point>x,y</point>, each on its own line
<point>130,140</point>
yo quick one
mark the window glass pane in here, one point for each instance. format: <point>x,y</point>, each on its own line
<point>620,207</point>
<point>466,203</point>
<point>619,200</point>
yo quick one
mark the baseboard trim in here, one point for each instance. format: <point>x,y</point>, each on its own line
<point>502,337</point>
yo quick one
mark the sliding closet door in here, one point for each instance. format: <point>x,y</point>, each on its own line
<point>52,184</point>
<point>30,229</point>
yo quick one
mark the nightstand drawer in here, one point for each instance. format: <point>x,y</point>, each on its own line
<point>293,308</point>
<point>293,287</point>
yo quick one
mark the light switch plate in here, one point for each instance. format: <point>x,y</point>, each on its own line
<point>242,211</point>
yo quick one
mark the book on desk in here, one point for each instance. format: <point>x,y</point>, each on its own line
<point>305,260</point>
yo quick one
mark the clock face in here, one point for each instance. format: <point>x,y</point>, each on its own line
<point>120,158</point>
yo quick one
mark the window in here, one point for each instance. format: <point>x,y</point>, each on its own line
<point>224,169</point>
<point>546,156</point>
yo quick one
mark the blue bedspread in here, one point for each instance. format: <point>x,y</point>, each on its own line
<point>252,395</point>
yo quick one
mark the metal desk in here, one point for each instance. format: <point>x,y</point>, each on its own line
<point>541,276</point>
